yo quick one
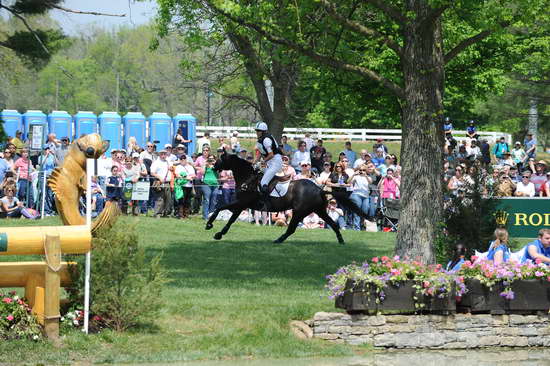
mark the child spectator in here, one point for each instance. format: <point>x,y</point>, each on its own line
<point>499,251</point>
<point>114,185</point>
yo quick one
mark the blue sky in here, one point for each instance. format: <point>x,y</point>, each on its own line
<point>136,13</point>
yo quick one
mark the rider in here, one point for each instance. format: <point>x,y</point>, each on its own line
<point>271,153</point>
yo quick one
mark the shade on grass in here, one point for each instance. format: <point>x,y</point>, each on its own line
<point>228,299</point>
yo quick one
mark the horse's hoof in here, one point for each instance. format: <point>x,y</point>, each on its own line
<point>218,236</point>
<point>342,242</point>
<point>277,241</point>
<point>209,226</point>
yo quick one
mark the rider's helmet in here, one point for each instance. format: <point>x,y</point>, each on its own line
<point>261,126</point>
<point>447,119</point>
<point>471,122</point>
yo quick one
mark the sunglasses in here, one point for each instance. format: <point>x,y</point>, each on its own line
<point>362,170</point>
<point>525,176</point>
<point>149,145</point>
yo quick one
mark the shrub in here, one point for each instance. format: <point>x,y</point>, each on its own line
<point>126,286</point>
<point>16,319</point>
<point>468,219</point>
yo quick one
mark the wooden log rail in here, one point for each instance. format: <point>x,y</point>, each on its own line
<point>42,280</point>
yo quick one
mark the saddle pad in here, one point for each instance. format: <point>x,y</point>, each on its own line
<point>280,189</point>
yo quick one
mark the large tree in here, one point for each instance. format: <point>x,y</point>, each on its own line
<point>418,40</point>
<point>262,61</point>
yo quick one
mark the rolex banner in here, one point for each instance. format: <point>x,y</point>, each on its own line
<point>526,216</point>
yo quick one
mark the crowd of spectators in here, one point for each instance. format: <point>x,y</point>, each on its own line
<point>501,171</point>
<point>184,182</point>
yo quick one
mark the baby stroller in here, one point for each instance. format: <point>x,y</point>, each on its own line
<point>389,214</point>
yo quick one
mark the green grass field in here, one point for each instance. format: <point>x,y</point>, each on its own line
<point>229,299</point>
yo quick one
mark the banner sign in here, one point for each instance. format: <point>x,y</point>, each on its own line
<point>140,192</point>
<point>526,216</point>
<point>37,137</point>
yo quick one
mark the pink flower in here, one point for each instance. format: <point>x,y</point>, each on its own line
<point>395,272</point>
<point>7,300</point>
<point>548,278</point>
<point>385,259</point>
<point>396,258</point>
<point>474,258</point>
<point>539,274</point>
<point>10,318</point>
<point>375,260</point>
<point>96,318</point>
<point>426,284</point>
<point>538,261</point>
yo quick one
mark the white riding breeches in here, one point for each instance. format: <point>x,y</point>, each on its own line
<point>274,165</point>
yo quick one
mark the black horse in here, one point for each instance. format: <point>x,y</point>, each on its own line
<point>303,197</point>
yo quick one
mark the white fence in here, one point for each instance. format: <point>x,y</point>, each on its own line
<point>358,134</point>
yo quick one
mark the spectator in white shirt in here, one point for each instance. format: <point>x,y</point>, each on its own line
<point>309,141</point>
<point>364,159</point>
<point>203,141</point>
<point>525,188</point>
<point>336,214</point>
<point>302,154</point>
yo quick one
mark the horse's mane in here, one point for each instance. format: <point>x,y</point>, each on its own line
<point>240,166</point>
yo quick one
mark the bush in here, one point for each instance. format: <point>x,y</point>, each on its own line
<point>126,286</point>
<point>468,219</point>
<point>16,319</point>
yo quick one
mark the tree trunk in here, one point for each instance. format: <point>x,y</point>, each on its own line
<point>533,118</point>
<point>281,76</point>
<point>422,143</point>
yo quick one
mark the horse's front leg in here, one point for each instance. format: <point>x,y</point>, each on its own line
<point>230,222</point>
<point>231,207</point>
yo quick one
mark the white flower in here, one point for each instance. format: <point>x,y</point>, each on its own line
<point>62,319</point>
<point>16,297</point>
<point>75,322</point>
<point>35,337</point>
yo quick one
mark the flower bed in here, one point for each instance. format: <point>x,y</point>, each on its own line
<point>506,288</point>
<point>16,320</point>
<point>391,285</point>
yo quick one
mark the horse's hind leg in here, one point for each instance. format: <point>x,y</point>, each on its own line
<point>326,218</point>
<point>230,222</point>
<point>296,218</point>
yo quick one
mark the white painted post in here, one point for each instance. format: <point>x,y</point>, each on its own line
<point>42,206</point>
<point>89,172</point>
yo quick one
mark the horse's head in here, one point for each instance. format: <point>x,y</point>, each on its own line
<point>223,162</point>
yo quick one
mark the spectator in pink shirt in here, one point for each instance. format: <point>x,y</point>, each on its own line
<point>228,187</point>
<point>24,169</point>
<point>389,185</point>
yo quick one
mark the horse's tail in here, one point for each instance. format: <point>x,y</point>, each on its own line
<point>345,201</point>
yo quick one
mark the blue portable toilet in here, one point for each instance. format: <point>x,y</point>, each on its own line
<point>160,129</point>
<point>188,124</point>
<point>134,126</point>
<point>110,128</point>
<point>60,123</point>
<point>85,122</point>
<point>12,121</point>
<point>35,118</point>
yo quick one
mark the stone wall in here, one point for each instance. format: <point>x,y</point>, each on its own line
<point>433,331</point>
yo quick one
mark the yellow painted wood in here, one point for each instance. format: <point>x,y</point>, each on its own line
<point>34,280</point>
<point>30,240</point>
<point>38,307</point>
<point>52,284</point>
<point>16,274</point>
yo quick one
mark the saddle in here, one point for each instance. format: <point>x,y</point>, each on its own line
<point>276,180</point>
